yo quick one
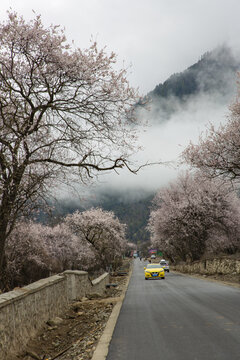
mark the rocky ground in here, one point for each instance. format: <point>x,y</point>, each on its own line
<point>75,334</point>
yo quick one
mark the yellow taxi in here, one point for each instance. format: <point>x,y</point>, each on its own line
<point>154,271</point>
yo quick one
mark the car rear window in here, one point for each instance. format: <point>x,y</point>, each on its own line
<point>153,266</point>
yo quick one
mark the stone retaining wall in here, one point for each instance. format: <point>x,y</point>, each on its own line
<point>210,266</point>
<point>23,311</point>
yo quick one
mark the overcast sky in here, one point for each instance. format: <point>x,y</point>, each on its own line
<point>155,38</point>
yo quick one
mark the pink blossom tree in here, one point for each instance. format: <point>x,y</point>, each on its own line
<point>62,247</point>
<point>102,231</point>
<point>35,251</point>
<point>218,151</point>
<point>65,115</point>
<point>66,250</point>
<point>27,255</point>
<point>189,213</point>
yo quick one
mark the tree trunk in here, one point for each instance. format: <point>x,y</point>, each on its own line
<point>7,204</point>
<point>4,284</point>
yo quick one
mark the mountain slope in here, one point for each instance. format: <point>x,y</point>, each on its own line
<point>213,75</point>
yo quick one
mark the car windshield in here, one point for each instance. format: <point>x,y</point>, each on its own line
<point>152,266</point>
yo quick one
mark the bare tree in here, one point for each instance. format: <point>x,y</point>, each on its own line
<point>65,114</point>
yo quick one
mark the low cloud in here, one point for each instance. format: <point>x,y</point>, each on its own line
<point>172,124</point>
<point>164,141</point>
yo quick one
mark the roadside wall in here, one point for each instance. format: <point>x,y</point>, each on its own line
<point>23,311</point>
<point>210,266</point>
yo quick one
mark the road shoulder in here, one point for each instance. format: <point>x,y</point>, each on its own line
<point>101,350</point>
<point>213,278</point>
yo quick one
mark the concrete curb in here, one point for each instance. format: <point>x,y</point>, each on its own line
<point>101,350</point>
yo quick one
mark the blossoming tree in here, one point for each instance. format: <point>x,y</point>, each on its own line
<point>28,258</point>
<point>65,114</point>
<point>193,214</point>
<point>218,152</point>
<point>34,251</point>
<point>102,231</point>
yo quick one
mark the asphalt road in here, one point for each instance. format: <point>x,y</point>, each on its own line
<point>179,318</point>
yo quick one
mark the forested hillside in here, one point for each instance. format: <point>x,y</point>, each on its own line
<point>213,75</point>
<point>212,72</point>
<point>134,213</point>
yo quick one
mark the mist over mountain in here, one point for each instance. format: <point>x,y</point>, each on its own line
<point>215,71</point>
<point>214,75</point>
<point>184,102</point>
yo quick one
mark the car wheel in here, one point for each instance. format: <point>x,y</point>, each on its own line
<point>146,278</point>
<point>163,277</point>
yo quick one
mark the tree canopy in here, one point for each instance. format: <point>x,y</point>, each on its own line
<point>218,152</point>
<point>192,211</point>
<point>65,114</point>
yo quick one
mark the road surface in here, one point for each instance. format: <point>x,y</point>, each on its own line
<point>179,318</point>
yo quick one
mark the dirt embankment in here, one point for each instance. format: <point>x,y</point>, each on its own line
<point>75,334</point>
